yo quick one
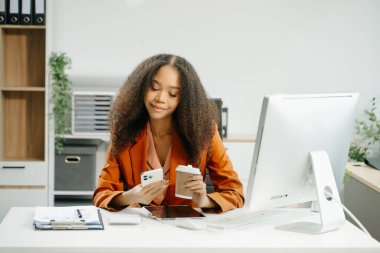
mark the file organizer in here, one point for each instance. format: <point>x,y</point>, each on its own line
<point>90,112</point>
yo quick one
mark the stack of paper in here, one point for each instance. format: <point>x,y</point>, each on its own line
<point>69,217</point>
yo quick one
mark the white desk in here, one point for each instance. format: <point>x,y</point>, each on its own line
<point>18,235</point>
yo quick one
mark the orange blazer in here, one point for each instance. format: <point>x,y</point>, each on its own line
<point>133,160</point>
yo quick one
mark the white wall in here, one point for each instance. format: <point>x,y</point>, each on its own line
<point>242,49</point>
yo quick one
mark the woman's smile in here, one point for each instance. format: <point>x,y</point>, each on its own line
<point>158,108</point>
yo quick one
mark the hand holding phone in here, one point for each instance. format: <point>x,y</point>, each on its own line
<point>151,176</point>
<point>151,186</point>
<point>149,192</point>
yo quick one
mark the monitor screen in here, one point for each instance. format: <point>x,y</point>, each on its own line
<point>290,127</point>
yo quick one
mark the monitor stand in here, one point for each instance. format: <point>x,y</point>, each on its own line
<point>331,212</point>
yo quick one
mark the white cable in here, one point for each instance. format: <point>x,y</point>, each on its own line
<point>349,213</point>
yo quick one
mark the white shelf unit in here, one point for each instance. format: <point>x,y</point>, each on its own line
<point>23,117</point>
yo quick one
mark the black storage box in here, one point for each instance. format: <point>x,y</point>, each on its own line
<point>75,169</point>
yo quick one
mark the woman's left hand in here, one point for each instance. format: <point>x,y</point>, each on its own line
<point>198,187</point>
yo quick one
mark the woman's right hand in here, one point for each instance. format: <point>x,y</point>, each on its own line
<point>145,195</point>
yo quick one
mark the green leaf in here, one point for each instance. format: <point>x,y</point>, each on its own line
<point>61,97</point>
<point>368,131</point>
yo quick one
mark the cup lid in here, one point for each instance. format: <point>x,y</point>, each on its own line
<point>188,169</point>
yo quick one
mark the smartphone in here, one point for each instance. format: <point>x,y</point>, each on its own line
<point>150,176</point>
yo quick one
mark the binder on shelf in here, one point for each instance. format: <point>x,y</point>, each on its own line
<point>13,10</point>
<point>68,218</point>
<point>26,12</point>
<point>3,12</point>
<point>39,12</point>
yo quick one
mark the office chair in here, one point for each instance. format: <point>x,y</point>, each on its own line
<point>216,104</point>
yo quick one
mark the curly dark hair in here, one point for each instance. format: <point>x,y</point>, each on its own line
<point>194,117</point>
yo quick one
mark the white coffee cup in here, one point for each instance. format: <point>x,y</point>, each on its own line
<point>182,176</point>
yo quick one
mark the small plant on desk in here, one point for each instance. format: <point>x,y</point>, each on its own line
<point>367,135</point>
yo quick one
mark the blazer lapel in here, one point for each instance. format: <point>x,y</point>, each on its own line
<point>138,154</point>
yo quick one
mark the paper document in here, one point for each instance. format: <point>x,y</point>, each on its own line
<point>68,217</point>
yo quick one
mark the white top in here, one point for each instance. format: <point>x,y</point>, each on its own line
<point>18,235</point>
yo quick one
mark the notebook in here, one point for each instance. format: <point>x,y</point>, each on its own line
<point>68,217</point>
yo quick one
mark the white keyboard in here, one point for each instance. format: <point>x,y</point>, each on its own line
<point>246,218</point>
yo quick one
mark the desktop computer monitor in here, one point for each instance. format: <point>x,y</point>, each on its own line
<point>290,127</point>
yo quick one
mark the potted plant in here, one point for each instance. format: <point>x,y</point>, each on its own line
<point>367,138</point>
<point>61,96</point>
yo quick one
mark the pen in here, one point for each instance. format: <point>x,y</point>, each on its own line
<point>79,214</point>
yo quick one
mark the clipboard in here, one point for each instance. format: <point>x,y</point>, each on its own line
<point>66,218</point>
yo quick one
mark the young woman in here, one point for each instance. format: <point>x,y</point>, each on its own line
<point>162,118</point>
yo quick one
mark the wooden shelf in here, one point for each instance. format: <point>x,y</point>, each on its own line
<point>23,57</point>
<point>18,187</point>
<point>39,89</point>
<point>38,27</point>
<point>24,118</point>
<point>23,125</point>
<point>23,159</point>
<point>23,93</point>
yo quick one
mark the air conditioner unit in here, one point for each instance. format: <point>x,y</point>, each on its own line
<point>90,112</point>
